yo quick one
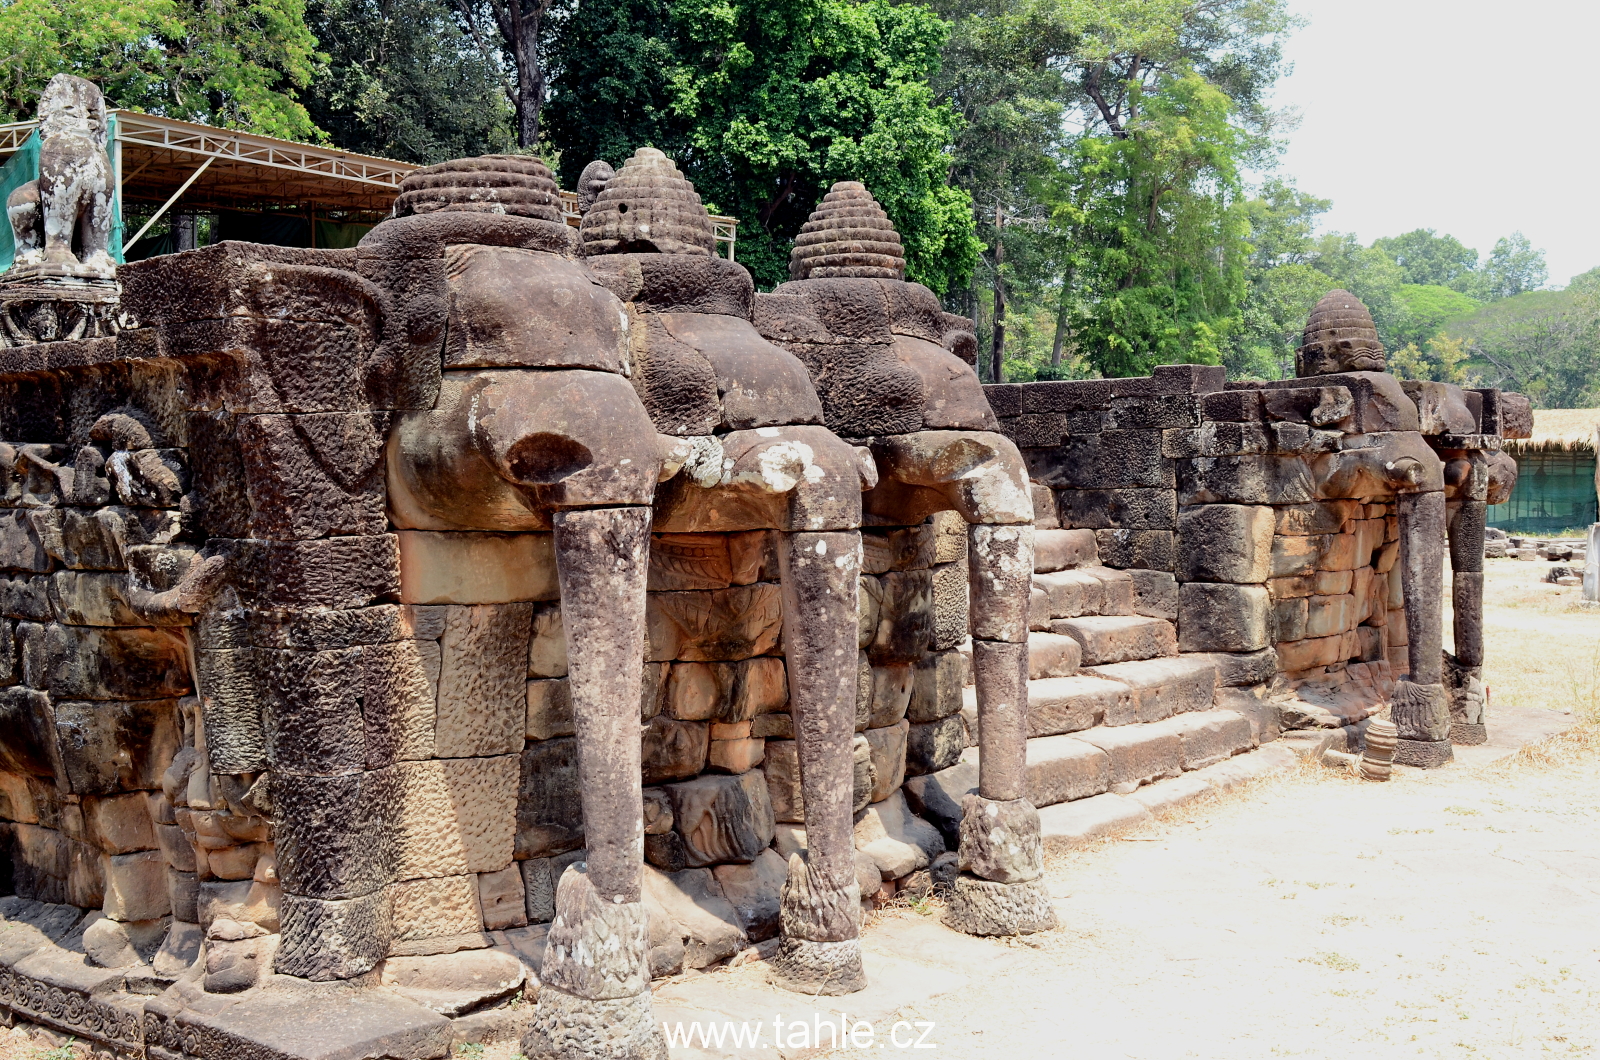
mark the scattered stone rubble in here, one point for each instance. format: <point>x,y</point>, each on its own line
<point>436,640</point>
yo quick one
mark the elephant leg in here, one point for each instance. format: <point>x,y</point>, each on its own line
<point>1463,671</point>
<point>594,999</point>
<point>1000,890</point>
<point>1419,705</point>
<point>820,911</point>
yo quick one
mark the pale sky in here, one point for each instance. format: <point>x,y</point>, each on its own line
<point>1473,117</point>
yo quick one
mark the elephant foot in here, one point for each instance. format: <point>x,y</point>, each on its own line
<point>594,997</point>
<point>580,1028</point>
<point>819,921</point>
<point>1464,687</point>
<point>1424,754</point>
<point>807,966</point>
<point>984,907</point>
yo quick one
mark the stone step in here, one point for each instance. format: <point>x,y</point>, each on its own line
<point>1158,688</point>
<point>1068,825</point>
<point>1119,638</point>
<point>1052,655</point>
<point>1084,591</point>
<point>1055,550</point>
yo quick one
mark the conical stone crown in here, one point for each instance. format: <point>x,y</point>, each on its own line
<point>1339,337</point>
<point>648,207</point>
<point>848,235</point>
<point>506,184</point>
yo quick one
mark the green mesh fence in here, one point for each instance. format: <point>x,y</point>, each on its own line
<point>1554,491</point>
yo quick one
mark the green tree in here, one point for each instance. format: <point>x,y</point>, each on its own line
<point>1512,268</point>
<point>1282,285</point>
<point>403,80</point>
<point>1545,344</point>
<point>1427,258</point>
<point>1444,361</point>
<point>1160,215</point>
<point>611,92</point>
<point>768,103</point>
<point>239,64</point>
<point>1426,309</point>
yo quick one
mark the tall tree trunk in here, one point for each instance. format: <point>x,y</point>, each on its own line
<point>526,17</point>
<point>1061,321</point>
<point>997,357</point>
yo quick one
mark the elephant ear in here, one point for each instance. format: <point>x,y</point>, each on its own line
<point>346,447</point>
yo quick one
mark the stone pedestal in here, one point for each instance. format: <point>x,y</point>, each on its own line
<point>55,303</point>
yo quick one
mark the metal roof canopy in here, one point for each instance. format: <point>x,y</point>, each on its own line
<point>223,169</point>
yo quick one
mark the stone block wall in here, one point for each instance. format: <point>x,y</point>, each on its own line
<point>1242,512</point>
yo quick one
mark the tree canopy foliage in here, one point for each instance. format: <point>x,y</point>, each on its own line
<point>766,103</point>
<point>240,64</point>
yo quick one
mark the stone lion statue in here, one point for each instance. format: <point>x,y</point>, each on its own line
<point>72,201</point>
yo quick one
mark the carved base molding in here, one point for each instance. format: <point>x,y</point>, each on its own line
<point>116,1023</point>
<point>57,309</point>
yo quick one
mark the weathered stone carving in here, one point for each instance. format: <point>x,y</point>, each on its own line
<point>61,285</point>
<point>874,345</point>
<point>1339,337</point>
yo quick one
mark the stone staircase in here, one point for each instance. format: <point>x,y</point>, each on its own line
<point>1119,723</point>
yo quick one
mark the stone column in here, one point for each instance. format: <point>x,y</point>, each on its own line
<point>594,999</point>
<point>1463,671</point>
<point>820,912</point>
<point>1419,705</point>
<point>999,890</point>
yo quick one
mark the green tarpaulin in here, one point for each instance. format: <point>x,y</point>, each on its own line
<point>1554,491</point>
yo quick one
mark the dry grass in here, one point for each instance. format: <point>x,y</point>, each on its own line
<point>31,1043</point>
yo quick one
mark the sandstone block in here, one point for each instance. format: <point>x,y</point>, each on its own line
<point>1160,688</point>
<point>111,747</point>
<point>1155,594</point>
<point>326,940</point>
<point>949,604</point>
<point>689,561</point>
<point>722,818</point>
<point>1057,550</point>
<point>1138,753</point>
<point>936,797</point>
<point>936,687</point>
<point>905,617</point>
<point>735,756</point>
<point>782,769</point>
<point>115,664</point>
<point>1061,769</point>
<point>136,886</point>
<point>888,749</point>
<point>460,815</point>
<point>119,824</point>
<point>547,651</point>
<point>1141,549</point>
<point>1067,704</point>
<point>674,750</point>
<point>1119,638</point>
<point>436,908</point>
<point>1240,669</point>
<point>1128,509</point>
<point>440,567</point>
<point>690,907</point>
<point>935,745</point>
<point>754,891</point>
<point>1223,617</point>
<point>1330,615</point>
<point>1225,543</point>
<point>1052,655</point>
<point>1072,593</point>
<point>1300,655</point>
<point>898,841</point>
<point>548,806</point>
<point>1209,737</point>
<point>549,709</point>
<point>1068,825</point>
<point>482,705</point>
<point>501,897</point>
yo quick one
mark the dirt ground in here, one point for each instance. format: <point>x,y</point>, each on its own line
<point>1446,914</point>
